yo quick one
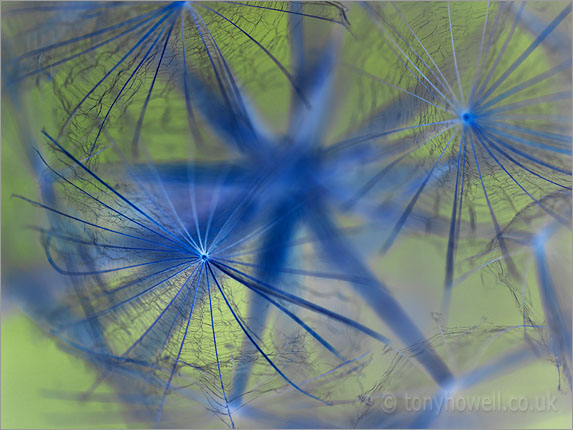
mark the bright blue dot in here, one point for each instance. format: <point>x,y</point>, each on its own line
<point>467,117</point>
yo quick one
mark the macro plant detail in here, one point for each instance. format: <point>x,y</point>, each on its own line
<point>293,214</point>
<point>131,261</point>
<point>487,113</point>
<point>169,40</point>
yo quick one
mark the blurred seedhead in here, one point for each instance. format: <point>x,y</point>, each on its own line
<point>543,247</point>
